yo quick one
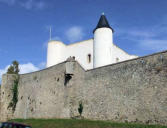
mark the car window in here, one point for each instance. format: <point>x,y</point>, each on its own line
<point>0,125</point>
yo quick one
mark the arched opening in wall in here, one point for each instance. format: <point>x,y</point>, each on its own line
<point>117,59</point>
<point>89,58</point>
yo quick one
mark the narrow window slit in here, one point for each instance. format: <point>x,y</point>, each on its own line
<point>89,58</point>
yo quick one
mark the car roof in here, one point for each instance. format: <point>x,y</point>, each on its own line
<point>13,123</point>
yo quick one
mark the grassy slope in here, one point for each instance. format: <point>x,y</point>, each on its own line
<point>69,123</point>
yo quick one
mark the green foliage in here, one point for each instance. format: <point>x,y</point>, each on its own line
<point>80,109</point>
<point>15,95</point>
<point>70,123</point>
<point>14,68</point>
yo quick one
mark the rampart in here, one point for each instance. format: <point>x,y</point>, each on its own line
<point>130,91</point>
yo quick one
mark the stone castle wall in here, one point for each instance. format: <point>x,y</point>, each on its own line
<point>0,101</point>
<point>6,96</point>
<point>132,91</point>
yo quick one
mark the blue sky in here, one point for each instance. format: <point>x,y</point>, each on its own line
<point>140,26</point>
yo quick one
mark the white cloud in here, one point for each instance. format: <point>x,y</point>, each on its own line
<point>153,44</point>
<point>145,40</point>
<point>24,68</point>
<point>27,4</point>
<point>40,5</point>
<point>143,34</point>
<point>33,4</point>
<point>151,38</point>
<point>131,33</point>
<point>3,71</point>
<point>74,33</point>
<point>9,2</point>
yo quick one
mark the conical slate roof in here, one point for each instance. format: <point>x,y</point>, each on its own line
<point>103,23</point>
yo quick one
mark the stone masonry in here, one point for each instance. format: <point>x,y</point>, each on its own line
<point>129,91</point>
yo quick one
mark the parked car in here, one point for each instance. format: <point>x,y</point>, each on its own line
<point>13,125</point>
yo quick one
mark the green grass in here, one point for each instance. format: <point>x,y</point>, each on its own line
<point>73,123</point>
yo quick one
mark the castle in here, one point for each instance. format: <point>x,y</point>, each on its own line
<point>91,53</point>
<point>131,90</point>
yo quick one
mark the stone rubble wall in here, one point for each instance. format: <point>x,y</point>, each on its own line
<point>129,91</point>
<point>6,96</point>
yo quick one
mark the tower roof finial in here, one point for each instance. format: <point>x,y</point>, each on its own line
<point>102,13</point>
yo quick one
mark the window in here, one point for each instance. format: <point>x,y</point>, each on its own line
<point>117,59</point>
<point>89,58</point>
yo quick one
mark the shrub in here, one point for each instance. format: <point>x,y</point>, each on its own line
<point>80,109</point>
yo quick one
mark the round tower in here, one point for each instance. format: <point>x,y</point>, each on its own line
<point>103,43</point>
<point>55,53</point>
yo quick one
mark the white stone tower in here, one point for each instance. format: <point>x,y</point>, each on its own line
<point>103,43</point>
<point>55,53</point>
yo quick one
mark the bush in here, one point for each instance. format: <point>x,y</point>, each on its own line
<point>80,109</point>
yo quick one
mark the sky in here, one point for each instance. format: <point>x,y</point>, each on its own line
<point>140,27</point>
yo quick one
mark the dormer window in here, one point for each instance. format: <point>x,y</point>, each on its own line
<point>89,58</point>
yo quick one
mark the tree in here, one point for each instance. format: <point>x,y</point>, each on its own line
<point>14,68</point>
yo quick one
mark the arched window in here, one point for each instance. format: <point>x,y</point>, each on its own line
<point>89,58</point>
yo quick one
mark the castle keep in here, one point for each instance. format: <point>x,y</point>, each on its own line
<point>129,91</point>
<point>91,53</point>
